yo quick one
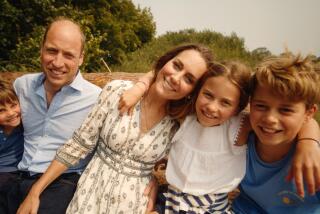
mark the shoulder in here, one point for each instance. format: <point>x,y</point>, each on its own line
<point>28,78</point>
<point>118,85</point>
<point>90,88</point>
<point>26,81</point>
<point>238,119</point>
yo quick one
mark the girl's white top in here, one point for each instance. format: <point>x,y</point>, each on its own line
<point>205,160</point>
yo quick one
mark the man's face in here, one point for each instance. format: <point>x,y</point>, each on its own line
<point>61,54</point>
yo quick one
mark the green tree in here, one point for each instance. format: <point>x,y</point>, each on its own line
<point>224,47</point>
<point>113,28</point>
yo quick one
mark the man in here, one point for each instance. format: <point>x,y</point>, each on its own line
<point>53,104</point>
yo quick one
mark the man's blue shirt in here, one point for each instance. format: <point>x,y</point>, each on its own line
<point>46,129</point>
<point>11,149</point>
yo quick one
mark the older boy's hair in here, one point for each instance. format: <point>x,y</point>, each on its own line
<point>292,77</point>
<point>7,94</point>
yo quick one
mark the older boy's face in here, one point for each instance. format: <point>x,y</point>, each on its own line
<point>275,120</point>
<point>10,116</point>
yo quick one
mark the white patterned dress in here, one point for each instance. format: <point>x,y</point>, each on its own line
<point>121,167</point>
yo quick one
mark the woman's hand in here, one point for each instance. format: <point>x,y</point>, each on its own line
<point>30,205</point>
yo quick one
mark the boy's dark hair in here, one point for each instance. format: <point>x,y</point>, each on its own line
<point>7,94</point>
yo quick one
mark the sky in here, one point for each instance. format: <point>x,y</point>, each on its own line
<point>274,24</point>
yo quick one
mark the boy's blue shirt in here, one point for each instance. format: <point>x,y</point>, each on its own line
<point>264,188</point>
<point>11,149</point>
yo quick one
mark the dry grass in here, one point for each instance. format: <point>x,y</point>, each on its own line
<point>99,79</point>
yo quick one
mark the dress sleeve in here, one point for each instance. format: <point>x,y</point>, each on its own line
<point>85,138</point>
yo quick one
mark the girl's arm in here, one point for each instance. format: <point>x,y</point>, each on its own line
<point>306,161</point>
<point>31,203</point>
<point>151,191</point>
<point>130,97</point>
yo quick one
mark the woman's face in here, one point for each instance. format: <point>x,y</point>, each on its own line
<point>178,77</point>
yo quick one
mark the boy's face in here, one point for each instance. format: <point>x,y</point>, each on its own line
<point>276,120</point>
<point>10,115</point>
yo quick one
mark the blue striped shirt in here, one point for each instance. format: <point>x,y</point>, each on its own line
<point>46,129</point>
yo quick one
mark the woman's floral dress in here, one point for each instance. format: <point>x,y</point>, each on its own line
<point>120,170</point>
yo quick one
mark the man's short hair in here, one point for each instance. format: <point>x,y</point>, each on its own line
<point>61,19</point>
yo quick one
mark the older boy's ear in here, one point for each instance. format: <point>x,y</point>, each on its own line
<point>311,111</point>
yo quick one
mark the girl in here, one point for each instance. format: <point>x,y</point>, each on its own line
<point>204,163</point>
<point>126,147</point>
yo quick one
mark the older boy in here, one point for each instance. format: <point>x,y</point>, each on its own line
<point>285,91</point>
<point>11,141</point>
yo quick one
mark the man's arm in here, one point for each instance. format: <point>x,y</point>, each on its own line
<point>31,203</point>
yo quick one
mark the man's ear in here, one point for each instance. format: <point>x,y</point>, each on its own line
<point>81,58</point>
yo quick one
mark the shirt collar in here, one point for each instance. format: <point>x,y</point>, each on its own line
<point>76,84</point>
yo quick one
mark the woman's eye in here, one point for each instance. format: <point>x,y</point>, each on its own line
<point>176,65</point>
<point>189,80</point>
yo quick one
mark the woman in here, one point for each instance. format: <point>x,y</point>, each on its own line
<point>127,147</point>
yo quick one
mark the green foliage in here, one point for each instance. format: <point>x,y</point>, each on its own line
<point>113,28</point>
<point>224,48</point>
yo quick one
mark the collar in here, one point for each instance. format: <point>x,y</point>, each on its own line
<point>76,84</point>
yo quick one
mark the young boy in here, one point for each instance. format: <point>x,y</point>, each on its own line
<point>284,94</point>
<point>11,140</point>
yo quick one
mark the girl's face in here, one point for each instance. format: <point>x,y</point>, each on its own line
<point>218,100</point>
<point>178,77</point>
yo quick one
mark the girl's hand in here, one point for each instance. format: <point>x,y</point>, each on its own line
<point>30,205</point>
<point>151,191</point>
<point>306,167</point>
